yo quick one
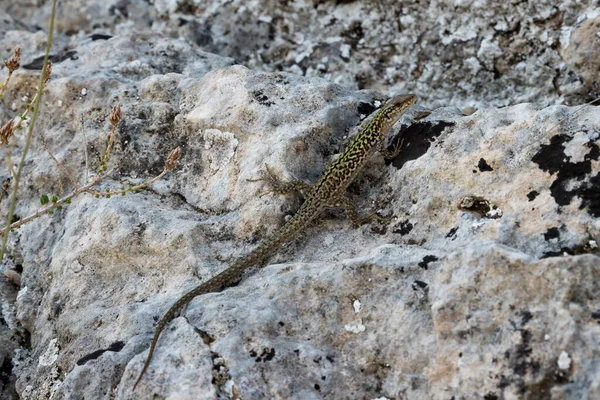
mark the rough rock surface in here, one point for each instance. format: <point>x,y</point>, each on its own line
<point>485,284</point>
<point>467,53</point>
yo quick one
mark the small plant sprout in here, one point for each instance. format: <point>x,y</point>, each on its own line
<point>52,203</point>
<point>18,123</point>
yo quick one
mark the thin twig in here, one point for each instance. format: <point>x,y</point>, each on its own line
<point>60,202</point>
<point>59,167</point>
<point>130,189</point>
<point>85,152</point>
<point>3,87</point>
<point>583,106</point>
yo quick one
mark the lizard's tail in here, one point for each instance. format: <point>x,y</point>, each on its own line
<point>175,308</point>
<point>232,274</point>
<point>213,285</point>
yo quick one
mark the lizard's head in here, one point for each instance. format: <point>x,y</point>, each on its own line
<point>395,107</point>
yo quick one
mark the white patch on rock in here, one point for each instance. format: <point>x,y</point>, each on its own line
<point>473,64</point>
<point>228,388</point>
<point>494,213</point>
<point>461,33</point>
<point>576,148</point>
<point>265,18</point>
<point>565,36</point>
<point>345,51</point>
<point>357,306</point>
<point>407,20</point>
<point>501,26</point>
<point>488,51</point>
<point>22,292</point>
<point>355,326</point>
<point>564,361</point>
<point>166,6</point>
<point>221,146</point>
<point>8,311</point>
<point>51,354</point>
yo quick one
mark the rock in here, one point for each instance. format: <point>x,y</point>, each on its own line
<point>483,285</point>
<point>464,53</point>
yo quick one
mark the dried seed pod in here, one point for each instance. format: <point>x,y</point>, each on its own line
<point>173,158</point>
<point>13,63</point>
<point>48,72</point>
<point>115,115</point>
<point>6,132</point>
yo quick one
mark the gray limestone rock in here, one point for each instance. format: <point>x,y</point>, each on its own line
<point>472,53</point>
<point>485,284</point>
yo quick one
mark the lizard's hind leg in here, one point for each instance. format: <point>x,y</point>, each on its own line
<point>345,202</point>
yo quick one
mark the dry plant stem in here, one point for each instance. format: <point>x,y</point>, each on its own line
<point>3,88</point>
<point>24,114</point>
<point>85,154</point>
<point>170,164</point>
<point>13,199</point>
<point>583,106</point>
<point>5,187</point>
<point>11,165</point>
<point>60,202</point>
<point>130,189</point>
<point>111,141</point>
<point>58,166</point>
<point>33,101</point>
<point>85,189</point>
<point>116,116</point>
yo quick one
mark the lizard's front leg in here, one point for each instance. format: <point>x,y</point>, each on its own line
<point>390,155</point>
<point>279,186</point>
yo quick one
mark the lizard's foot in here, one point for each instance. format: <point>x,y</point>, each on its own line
<point>349,206</point>
<point>390,155</point>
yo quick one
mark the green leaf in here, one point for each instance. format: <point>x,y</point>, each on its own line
<point>54,198</point>
<point>44,199</point>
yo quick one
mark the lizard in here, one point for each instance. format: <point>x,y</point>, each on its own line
<point>328,192</point>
